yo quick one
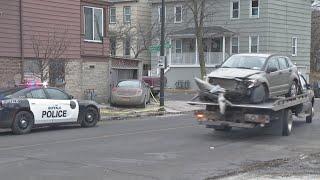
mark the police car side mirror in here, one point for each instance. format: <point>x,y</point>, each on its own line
<point>71,97</point>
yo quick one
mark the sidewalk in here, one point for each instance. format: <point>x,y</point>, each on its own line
<point>153,109</point>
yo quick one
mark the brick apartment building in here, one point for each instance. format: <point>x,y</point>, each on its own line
<point>29,25</point>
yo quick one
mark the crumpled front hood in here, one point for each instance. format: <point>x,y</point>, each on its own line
<point>230,73</point>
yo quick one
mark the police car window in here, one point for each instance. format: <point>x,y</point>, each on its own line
<point>57,94</point>
<point>36,94</point>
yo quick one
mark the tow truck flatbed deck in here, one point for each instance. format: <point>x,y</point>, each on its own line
<point>272,104</point>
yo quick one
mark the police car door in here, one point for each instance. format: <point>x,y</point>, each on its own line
<point>38,103</point>
<point>62,108</point>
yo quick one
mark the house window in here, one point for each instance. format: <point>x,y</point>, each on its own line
<point>294,46</point>
<point>179,46</point>
<point>254,8</point>
<point>235,9</point>
<point>113,45</point>
<point>235,45</point>
<point>178,14</point>
<point>254,44</point>
<point>160,13</point>
<point>127,14</point>
<point>127,46</point>
<point>113,17</point>
<point>93,24</point>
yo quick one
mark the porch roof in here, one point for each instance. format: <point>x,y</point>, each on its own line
<point>208,31</point>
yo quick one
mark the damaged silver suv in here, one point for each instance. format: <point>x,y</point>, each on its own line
<point>256,77</point>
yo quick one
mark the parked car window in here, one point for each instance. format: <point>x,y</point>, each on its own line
<point>273,62</point>
<point>12,93</point>
<point>246,62</point>
<point>129,84</point>
<point>57,94</point>
<point>36,94</point>
<point>283,63</point>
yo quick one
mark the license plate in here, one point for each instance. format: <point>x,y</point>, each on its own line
<point>126,99</point>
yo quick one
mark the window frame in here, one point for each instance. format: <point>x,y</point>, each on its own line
<point>295,46</point>
<point>125,46</point>
<point>175,14</point>
<point>111,47</point>
<point>93,27</point>
<point>251,8</point>
<point>175,47</point>
<point>250,43</point>
<point>159,13</point>
<point>115,15</point>
<point>231,9</point>
<point>124,15</point>
<point>231,44</point>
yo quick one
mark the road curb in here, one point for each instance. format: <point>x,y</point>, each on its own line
<point>158,113</point>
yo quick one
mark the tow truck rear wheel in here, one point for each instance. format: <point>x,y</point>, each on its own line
<point>22,123</point>
<point>90,118</point>
<point>287,122</point>
<point>309,118</point>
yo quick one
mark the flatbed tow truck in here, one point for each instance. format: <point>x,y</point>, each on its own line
<point>245,115</point>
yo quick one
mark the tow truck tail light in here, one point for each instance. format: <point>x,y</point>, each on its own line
<point>114,89</point>
<point>200,116</point>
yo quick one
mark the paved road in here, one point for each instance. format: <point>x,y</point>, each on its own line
<point>172,147</point>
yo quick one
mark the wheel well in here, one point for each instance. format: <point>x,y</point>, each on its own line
<point>266,87</point>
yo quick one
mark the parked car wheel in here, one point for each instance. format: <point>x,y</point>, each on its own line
<point>23,123</point>
<point>91,117</point>
<point>259,94</point>
<point>294,89</point>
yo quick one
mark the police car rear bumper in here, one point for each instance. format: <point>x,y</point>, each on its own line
<point>6,118</point>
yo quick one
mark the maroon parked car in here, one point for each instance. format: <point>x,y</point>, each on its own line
<point>154,83</point>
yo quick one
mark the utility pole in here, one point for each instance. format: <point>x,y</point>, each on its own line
<point>162,56</point>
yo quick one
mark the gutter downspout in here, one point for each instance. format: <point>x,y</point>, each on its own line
<point>21,42</point>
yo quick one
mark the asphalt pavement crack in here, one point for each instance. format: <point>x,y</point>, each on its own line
<point>283,167</point>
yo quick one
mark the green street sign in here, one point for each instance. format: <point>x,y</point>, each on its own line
<point>156,48</point>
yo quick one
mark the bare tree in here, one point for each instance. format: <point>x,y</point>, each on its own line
<point>201,9</point>
<point>49,50</point>
<point>315,42</point>
<point>142,36</point>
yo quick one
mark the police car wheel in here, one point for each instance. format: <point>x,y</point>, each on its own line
<point>22,123</point>
<point>90,118</point>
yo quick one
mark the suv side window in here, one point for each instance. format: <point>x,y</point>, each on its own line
<point>273,62</point>
<point>290,64</point>
<point>57,94</point>
<point>283,63</point>
<point>36,94</point>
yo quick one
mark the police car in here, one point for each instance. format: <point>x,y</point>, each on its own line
<point>25,107</point>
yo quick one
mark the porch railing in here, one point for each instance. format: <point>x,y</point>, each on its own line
<point>211,58</point>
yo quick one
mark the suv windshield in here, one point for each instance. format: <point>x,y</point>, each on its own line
<point>244,62</point>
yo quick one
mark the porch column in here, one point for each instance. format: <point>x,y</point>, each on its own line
<point>224,48</point>
<point>170,54</point>
<point>197,53</point>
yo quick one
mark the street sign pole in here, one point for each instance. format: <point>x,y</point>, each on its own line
<point>162,54</point>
